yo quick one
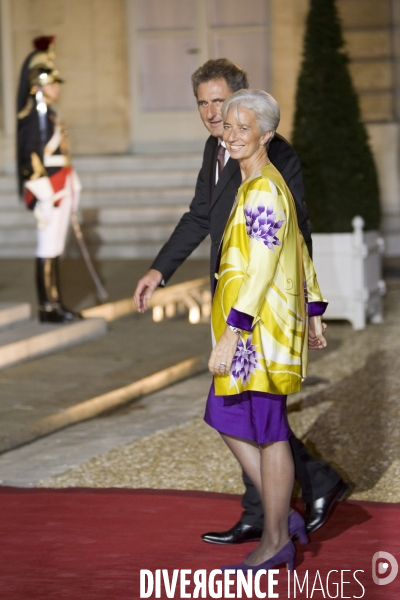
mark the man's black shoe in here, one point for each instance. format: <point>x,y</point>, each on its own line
<point>238,534</point>
<point>317,513</point>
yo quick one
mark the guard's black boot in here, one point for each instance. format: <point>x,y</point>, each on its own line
<point>49,310</point>
<point>55,275</point>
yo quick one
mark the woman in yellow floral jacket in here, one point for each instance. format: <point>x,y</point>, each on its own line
<point>266,312</point>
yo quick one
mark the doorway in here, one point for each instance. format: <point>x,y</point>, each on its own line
<point>167,41</point>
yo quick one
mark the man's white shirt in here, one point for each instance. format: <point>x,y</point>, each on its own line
<point>227,157</point>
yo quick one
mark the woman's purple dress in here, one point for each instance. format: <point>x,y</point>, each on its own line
<point>256,416</point>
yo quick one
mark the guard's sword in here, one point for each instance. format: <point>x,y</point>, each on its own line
<point>101,292</point>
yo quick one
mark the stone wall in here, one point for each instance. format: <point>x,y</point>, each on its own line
<point>368,33</point>
<point>372,35</point>
<point>287,31</point>
<point>371,29</point>
<point>91,56</point>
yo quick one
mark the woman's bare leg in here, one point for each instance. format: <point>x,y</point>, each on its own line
<point>271,469</point>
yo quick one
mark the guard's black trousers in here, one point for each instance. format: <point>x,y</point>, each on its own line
<point>315,477</point>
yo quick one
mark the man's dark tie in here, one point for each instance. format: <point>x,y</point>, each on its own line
<point>220,159</point>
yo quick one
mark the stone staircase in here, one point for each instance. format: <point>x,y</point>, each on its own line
<point>129,206</point>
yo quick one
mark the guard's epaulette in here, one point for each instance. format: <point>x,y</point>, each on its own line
<point>27,109</point>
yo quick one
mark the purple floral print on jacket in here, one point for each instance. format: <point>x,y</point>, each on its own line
<point>261,225</point>
<point>245,360</point>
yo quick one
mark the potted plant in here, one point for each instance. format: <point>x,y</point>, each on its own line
<point>340,177</point>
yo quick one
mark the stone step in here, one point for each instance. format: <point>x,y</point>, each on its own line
<point>135,215</point>
<point>10,200</point>
<point>131,162</point>
<point>130,181</point>
<point>8,184</point>
<point>141,179</point>
<point>137,197</point>
<point>85,164</point>
<point>127,234</point>
<point>132,201</point>
<point>27,251</point>
<point>117,232</point>
<point>91,198</point>
<point>120,179</point>
<point>21,218</point>
<point>101,250</point>
<point>16,236</point>
<point>140,251</point>
<point>12,313</point>
<point>32,339</point>
<point>16,217</point>
<point>142,233</point>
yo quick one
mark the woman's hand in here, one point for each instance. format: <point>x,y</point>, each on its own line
<point>221,357</point>
<point>316,331</point>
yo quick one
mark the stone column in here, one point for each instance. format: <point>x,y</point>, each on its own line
<point>7,159</point>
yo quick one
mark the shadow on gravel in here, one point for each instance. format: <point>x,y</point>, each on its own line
<point>353,434</point>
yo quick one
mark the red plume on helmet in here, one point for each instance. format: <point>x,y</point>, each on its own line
<point>42,43</point>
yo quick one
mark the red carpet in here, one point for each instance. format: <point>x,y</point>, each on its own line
<point>91,544</point>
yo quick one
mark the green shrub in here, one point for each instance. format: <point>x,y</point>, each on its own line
<point>329,137</point>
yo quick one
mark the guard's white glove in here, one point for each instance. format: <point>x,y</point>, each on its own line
<point>43,212</point>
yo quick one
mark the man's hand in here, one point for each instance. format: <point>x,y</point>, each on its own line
<point>221,357</point>
<point>145,289</point>
<point>316,331</point>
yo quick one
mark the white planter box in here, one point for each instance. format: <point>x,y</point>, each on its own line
<point>349,271</point>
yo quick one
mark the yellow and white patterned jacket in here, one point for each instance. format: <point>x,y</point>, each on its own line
<point>266,286</point>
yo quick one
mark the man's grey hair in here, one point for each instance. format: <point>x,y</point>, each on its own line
<point>261,103</point>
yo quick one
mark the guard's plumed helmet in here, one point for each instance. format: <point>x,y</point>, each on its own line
<point>38,69</point>
<point>41,66</point>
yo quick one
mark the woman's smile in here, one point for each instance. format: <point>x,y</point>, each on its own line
<point>244,140</point>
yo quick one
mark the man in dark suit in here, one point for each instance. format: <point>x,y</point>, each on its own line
<point>218,181</point>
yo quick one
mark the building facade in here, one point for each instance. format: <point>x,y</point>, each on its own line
<point>127,64</point>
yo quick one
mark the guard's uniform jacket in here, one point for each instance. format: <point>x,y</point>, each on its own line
<point>47,178</point>
<point>37,164</point>
<point>47,183</point>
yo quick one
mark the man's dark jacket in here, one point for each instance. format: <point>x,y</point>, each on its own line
<point>212,204</point>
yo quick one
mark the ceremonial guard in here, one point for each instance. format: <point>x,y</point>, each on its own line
<point>47,182</point>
